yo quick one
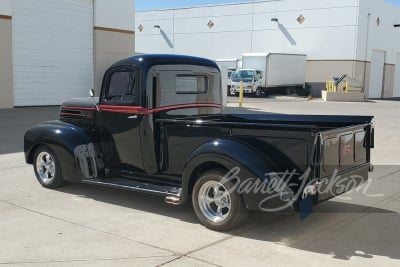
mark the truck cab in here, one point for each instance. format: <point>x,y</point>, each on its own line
<point>250,78</point>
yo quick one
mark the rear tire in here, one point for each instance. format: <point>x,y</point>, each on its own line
<point>215,205</point>
<point>47,168</point>
<point>290,90</point>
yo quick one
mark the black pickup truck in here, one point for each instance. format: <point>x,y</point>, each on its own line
<point>158,128</point>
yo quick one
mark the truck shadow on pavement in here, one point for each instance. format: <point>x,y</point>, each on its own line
<point>340,230</point>
<point>15,122</point>
<point>131,200</point>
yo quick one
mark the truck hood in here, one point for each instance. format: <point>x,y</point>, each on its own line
<point>79,111</point>
<point>89,102</point>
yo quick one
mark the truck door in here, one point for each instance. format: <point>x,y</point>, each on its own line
<point>118,122</point>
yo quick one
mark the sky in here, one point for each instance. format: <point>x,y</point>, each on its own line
<point>162,4</point>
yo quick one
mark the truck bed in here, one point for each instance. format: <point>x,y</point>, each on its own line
<point>330,143</point>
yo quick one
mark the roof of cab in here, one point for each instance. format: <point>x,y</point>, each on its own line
<point>148,60</point>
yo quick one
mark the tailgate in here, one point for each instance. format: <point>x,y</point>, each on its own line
<point>345,153</point>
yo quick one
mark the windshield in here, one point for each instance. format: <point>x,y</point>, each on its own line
<point>243,75</point>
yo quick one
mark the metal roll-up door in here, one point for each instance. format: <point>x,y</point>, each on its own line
<point>52,50</point>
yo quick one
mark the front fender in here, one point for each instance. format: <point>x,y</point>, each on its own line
<point>68,141</point>
<point>229,154</point>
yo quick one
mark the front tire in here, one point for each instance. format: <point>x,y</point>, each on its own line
<point>229,91</point>
<point>47,168</point>
<point>258,93</point>
<point>216,204</point>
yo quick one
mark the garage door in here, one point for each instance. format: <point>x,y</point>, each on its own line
<point>396,89</point>
<point>52,50</point>
<point>376,74</point>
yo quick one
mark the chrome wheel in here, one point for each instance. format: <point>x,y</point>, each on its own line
<point>45,167</point>
<point>215,201</point>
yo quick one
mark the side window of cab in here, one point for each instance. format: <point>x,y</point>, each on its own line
<point>120,88</point>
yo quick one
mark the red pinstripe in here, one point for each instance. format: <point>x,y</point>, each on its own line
<point>144,111</point>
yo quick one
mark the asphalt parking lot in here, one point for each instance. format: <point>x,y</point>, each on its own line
<point>82,225</point>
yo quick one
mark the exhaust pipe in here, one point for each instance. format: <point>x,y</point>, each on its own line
<point>174,201</point>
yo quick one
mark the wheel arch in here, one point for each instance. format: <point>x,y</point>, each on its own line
<point>225,154</point>
<point>63,139</point>
<point>202,168</point>
<point>31,152</point>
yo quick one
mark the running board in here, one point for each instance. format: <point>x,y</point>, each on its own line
<point>131,185</point>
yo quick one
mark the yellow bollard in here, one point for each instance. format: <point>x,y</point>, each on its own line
<point>241,95</point>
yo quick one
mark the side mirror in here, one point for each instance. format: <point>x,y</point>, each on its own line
<point>91,92</point>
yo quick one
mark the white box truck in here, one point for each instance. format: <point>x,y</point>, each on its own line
<point>263,71</point>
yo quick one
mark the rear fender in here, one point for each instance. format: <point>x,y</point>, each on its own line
<point>229,154</point>
<point>79,156</point>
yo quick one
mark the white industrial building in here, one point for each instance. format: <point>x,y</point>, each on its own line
<point>360,38</point>
<point>54,50</point>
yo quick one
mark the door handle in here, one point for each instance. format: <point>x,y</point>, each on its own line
<point>132,117</point>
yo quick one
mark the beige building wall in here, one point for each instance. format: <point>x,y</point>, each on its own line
<point>6,67</point>
<point>110,45</point>
<point>322,70</point>
<point>114,36</point>
<point>319,71</point>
